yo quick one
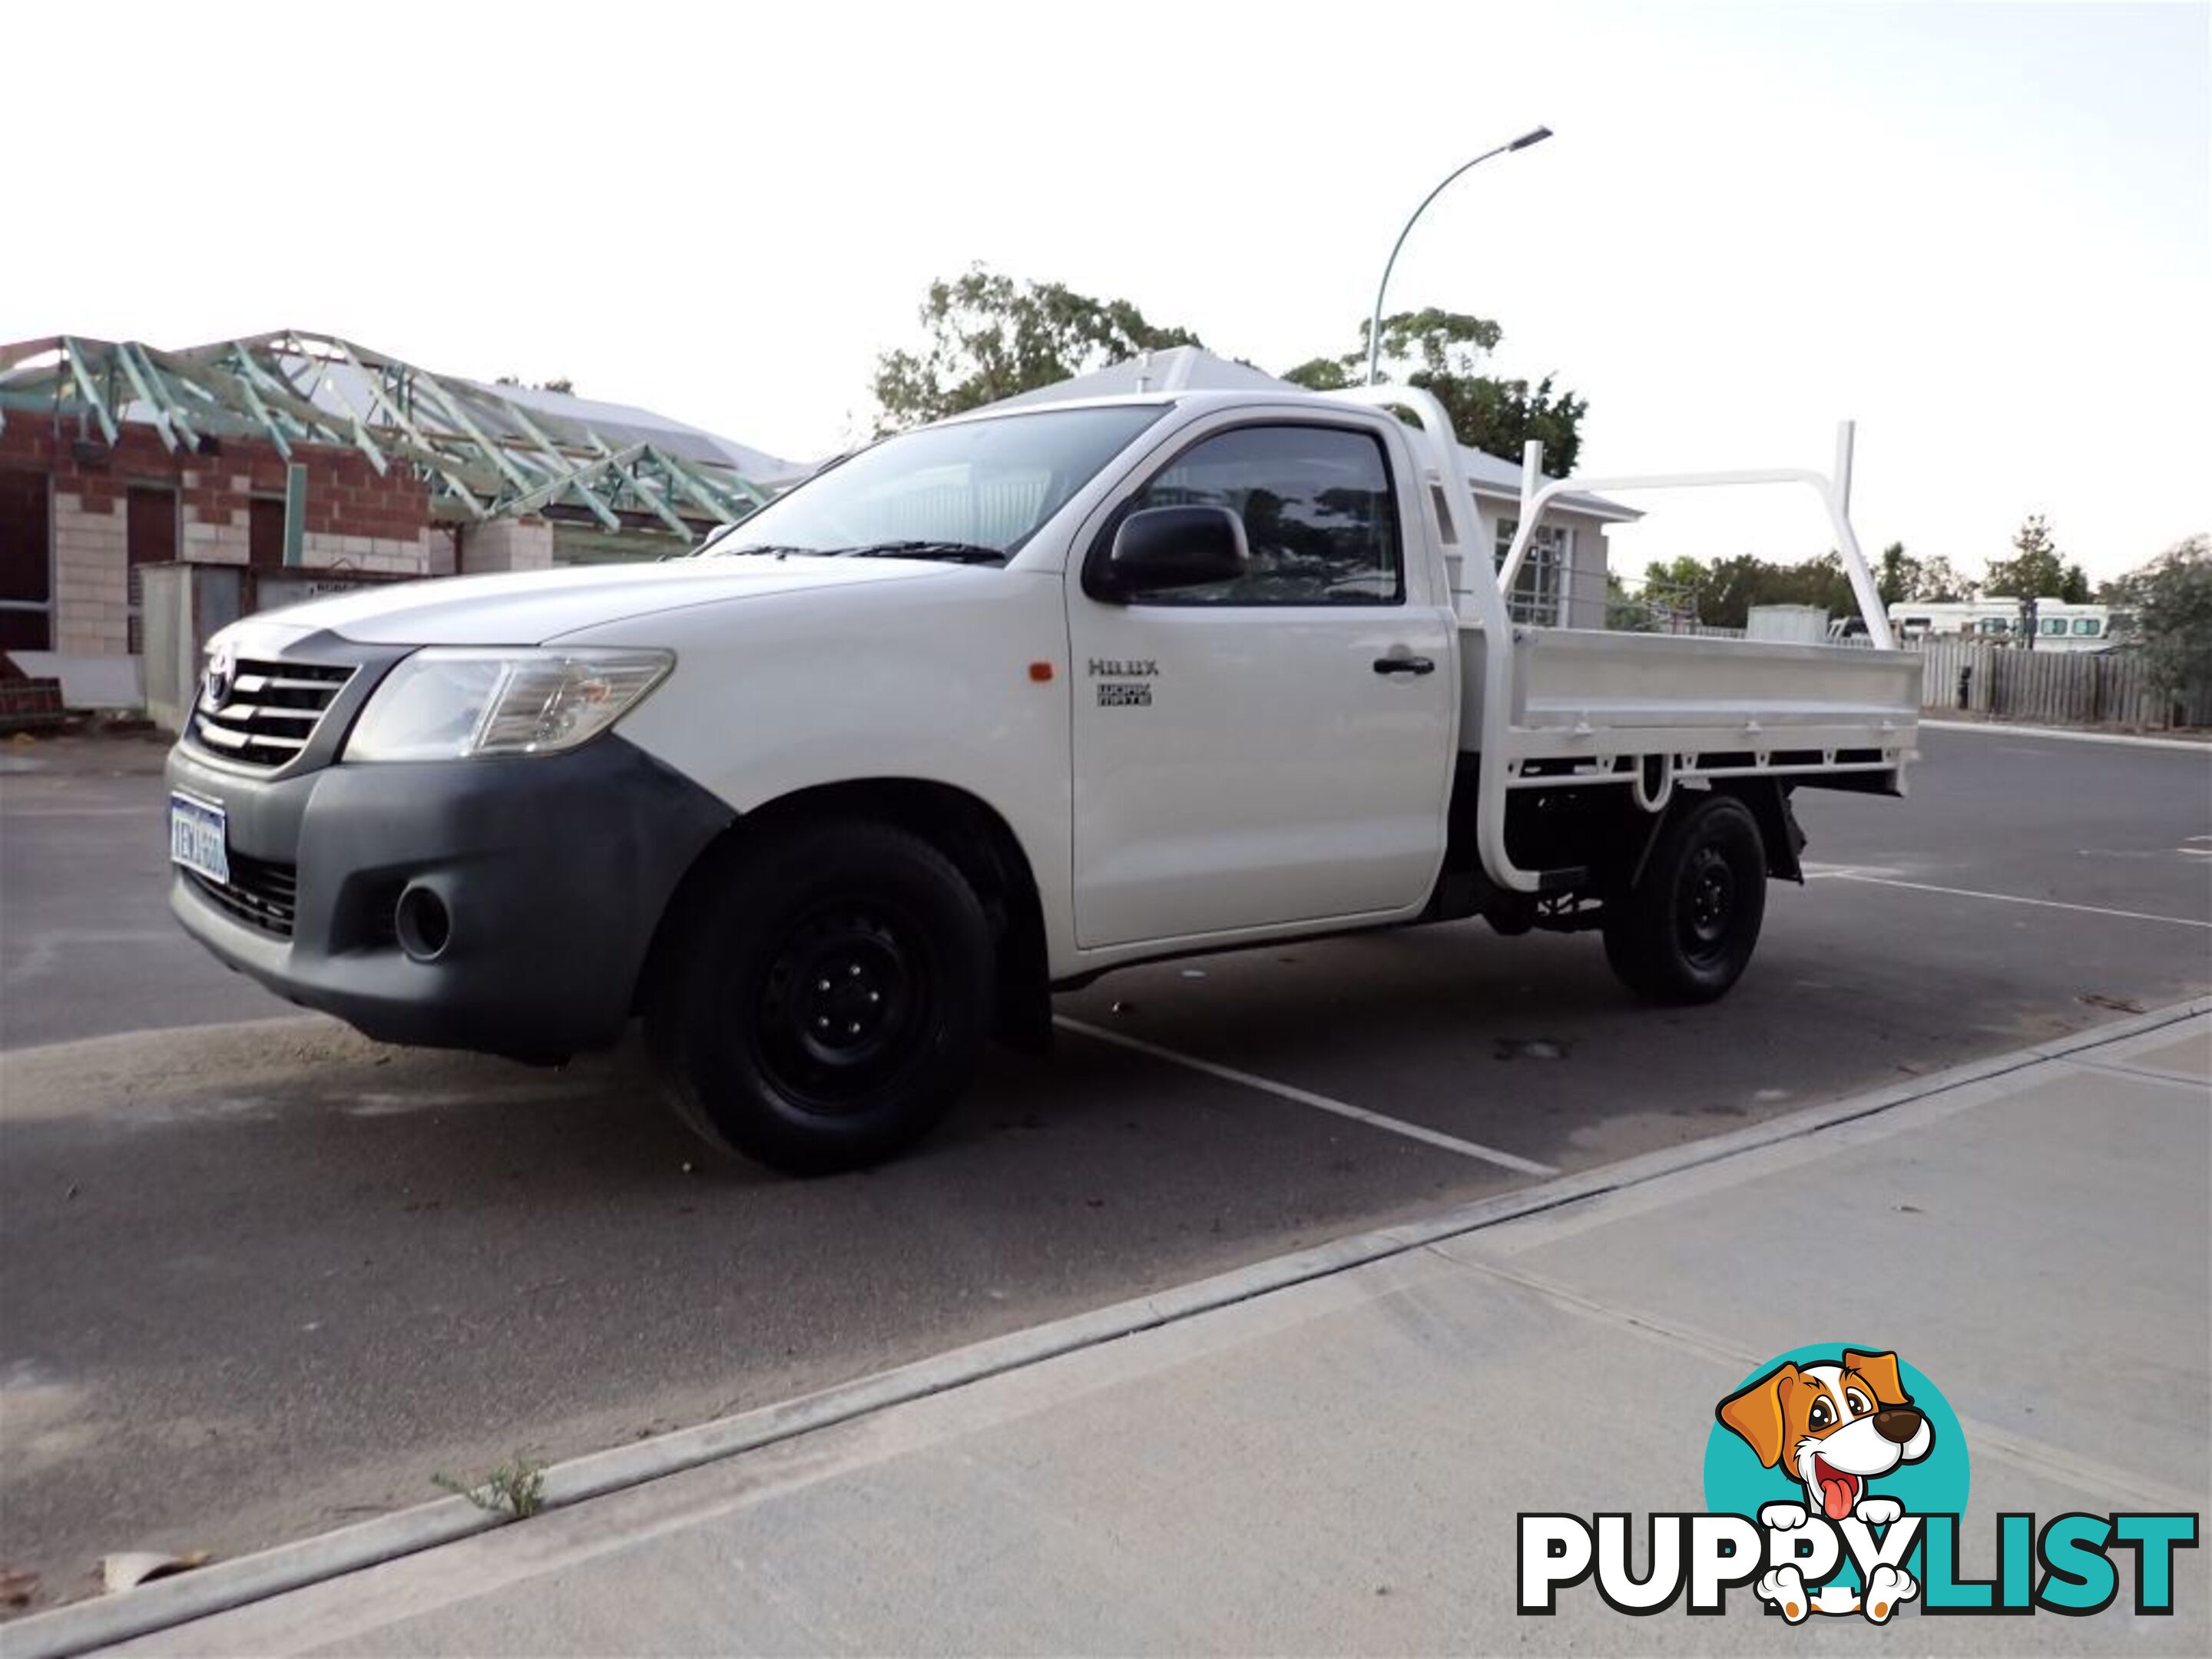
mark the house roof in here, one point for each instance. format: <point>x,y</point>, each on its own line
<point>485,451</point>
<point>1192,368</point>
<point>757,467</point>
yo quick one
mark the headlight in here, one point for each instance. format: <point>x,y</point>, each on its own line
<point>442,704</point>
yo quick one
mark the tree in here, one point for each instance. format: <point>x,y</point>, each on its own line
<point>561,384</point>
<point>991,336</point>
<point>2172,598</point>
<point>1896,573</point>
<point>1442,352</point>
<point>2036,570</point>
<point>1682,573</point>
<point>1721,593</point>
<point>1941,583</point>
<point>1627,613</point>
<point>1901,577</point>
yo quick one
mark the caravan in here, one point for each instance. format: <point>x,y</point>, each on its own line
<point>2060,626</point>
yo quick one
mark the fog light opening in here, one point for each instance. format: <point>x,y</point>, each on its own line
<point>424,924</point>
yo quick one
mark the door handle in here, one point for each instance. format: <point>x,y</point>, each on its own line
<point>1404,665</point>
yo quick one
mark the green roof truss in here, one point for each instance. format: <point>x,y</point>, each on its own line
<point>483,454</point>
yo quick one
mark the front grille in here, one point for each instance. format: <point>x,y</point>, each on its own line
<point>259,894</point>
<point>270,712</point>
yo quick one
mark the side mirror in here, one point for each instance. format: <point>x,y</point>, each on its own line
<point>1162,548</point>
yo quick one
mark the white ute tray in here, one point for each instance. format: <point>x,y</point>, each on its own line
<point>1574,690</point>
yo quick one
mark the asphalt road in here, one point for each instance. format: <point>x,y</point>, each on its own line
<point>258,1277</point>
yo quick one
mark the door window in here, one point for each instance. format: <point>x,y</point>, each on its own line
<point>1320,522</point>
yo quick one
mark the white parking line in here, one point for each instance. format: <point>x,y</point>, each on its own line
<point>1322,1102</point>
<point>2002,729</point>
<point>2012,898</point>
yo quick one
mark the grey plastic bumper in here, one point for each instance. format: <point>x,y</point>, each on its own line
<point>554,870</point>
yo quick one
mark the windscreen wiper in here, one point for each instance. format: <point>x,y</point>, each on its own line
<point>762,551</point>
<point>952,552</point>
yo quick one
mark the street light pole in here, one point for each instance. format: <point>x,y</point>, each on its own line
<point>1535,136</point>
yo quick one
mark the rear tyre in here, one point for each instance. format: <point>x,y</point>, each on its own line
<point>823,1004</point>
<point>1684,933</point>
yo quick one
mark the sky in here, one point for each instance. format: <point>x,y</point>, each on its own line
<point>1982,231</point>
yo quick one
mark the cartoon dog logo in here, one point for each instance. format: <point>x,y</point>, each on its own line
<point>1832,1428</point>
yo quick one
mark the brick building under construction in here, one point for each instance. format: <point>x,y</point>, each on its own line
<point>304,451</point>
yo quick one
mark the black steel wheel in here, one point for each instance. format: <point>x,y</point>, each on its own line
<point>824,1004</point>
<point>1686,931</point>
<point>1708,904</point>
<point>847,991</point>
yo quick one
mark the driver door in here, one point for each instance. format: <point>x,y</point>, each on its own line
<point>1273,749</point>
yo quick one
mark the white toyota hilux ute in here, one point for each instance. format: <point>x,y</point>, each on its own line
<point>983,711</point>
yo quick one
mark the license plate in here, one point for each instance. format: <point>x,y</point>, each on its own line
<point>197,839</point>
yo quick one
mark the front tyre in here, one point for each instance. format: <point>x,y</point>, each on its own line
<point>825,1003</point>
<point>1684,933</point>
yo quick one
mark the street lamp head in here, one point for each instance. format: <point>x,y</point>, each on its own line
<point>1533,136</point>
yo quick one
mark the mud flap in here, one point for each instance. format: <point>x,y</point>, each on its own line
<point>1769,801</point>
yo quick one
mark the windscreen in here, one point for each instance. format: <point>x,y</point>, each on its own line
<point>972,492</point>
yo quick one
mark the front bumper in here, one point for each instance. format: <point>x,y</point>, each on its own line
<point>554,869</point>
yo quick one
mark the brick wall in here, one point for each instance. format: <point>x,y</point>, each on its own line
<point>506,545</point>
<point>356,518</point>
<point>385,554</point>
<point>91,574</point>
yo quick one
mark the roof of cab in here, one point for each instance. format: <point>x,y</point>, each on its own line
<point>1163,375</point>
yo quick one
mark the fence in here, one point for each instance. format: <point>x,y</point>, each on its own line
<point>2058,687</point>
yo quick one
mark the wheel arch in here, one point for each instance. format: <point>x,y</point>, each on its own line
<point>962,826</point>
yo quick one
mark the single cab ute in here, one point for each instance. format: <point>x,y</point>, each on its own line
<point>989,708</point>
